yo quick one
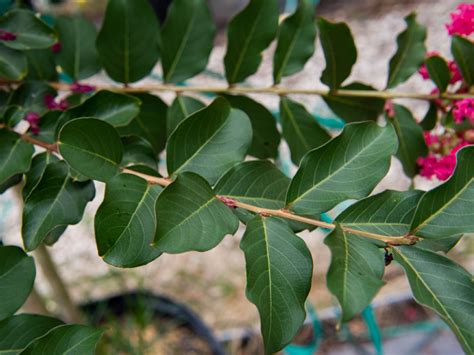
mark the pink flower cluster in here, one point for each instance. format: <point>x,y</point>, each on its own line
<point>7,36</point>
<point>33,119</point>
<point>81,88</point>
<point>50,103</point>
<point>453,68</point>
<point>462,20</point>
<point>464,109</point>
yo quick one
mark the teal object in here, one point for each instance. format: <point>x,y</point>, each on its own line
<point>373,328</point>
<point>65,78</point>
<point>6,5</point>
<point>310,348</point>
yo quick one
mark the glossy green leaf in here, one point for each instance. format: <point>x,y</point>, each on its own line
<point>181,108</point>
<point>463,53</point>
<point>137,150</point>
<point>439,72</point>
<point>114,108</point>
<point>410,52</point>
<point>191,217</point>
<point>411,140</point>
<point>78,56</point>
<point>387,213</point>
<point>447,209</point>
<point>266,137</point>
<point>41,65</point>
<point>150,123</point>
<point>300,129</point>
<point>92,147</point>
<point>186,39</point>
<point>36,172</point>
<point>70,339</point>
<point>443,244</point>
<point>56,201</point>
<point>128,40</point>
<point>431,118</point>
<point>13,64</point>
<point>347,167</point>
<point>249,33</point>
<point>210,141</point>
<point>296,41</point>
<point>30,31</point>
<point>339,51</point>
<point>15,155</point>
<point>355,273</point>
<point>443,286</point>
<point>48,126</point>
<point>17,332</point>
<point>125,222</point>
<point>279,271</point>
<point>17,274</point>
<point>355,109</point>
<point>30,96</point>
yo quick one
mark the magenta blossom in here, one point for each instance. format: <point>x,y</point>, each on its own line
<point>464,109</point>
<point>50,103</point>
<point>56,48</point>
<point>33,119</point>
<point>462,20</point>
<point>7,36</point>
<point>81,88</point>
<point>455,73</point>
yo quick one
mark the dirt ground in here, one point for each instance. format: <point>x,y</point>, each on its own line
<point>213,283</point>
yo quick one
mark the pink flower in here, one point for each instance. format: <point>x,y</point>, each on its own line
<point>455,73</point>
<point>81,88</point>
<point>462,20</point>
<point>56,48</point>
<point>464,109</point>
<point>389,110</point>
<point>7,36</point>
<point>50,103</point>
<point>33,119</point>
<point>430,138</point>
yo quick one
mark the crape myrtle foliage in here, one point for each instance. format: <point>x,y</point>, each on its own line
<point>87,134</point>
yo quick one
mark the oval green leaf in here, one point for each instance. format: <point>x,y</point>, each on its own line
<point>210,141</point>
<point>347,167</point>
<point>463,53</point>
<point>13,64</point>
<point>181,108</point>
<point>191,217</point>
<point>41,65</point>
<point>15,155</point>
<point>439,72</point>
<point>128,40</point>
<point>249,33</point>
<point>279,271</point>
<point>92,147</point>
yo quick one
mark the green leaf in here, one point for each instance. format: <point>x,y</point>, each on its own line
<point>36,172</point>
<point>355,109</point>
<point>78,56</point>
<point>347,167</point>
<point>48,126</point>
<point>411,140</point>
<point>387,213</point>
<point>138,150</point>
<point>191,217</point>
<point>71,339</point>
<point>10,182</point>
<point>186,39</point>
<point>30,96</point>
<point>181,108</point>
<point>128,40</point>
<point>266,137</point>
<point>15,155</point>
<point>17,332</point>
<point>279,271</point>
<point>439,72</point>
<point>443,244</point>
<point>339,51</point>
<point>410,53</point>
<point>150,123</point>
<point>296,41</point>
<point>114,108</point>
<point>125,222</point>
<point>41,65</point>
<point>17,274</point>
<point>463,53</point>
<point>443,286</point>
<point>355,273</point>
<point>30,31</point>
<point>210,141</point>
<point>431,118</point>
<point>92,147</point>
<point>447,209</point>
<point>56,201</point>
<point>249,33</point>
<point>13,64</point>
<point>300,129</point>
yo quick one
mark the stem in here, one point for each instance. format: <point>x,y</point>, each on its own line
<point>396,240</point>
<point>71,311</point>
<point>273,90</point>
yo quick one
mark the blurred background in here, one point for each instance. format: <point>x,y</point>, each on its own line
<point>217,317</point>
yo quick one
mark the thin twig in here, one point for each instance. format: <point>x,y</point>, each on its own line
<point>272,90</point>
